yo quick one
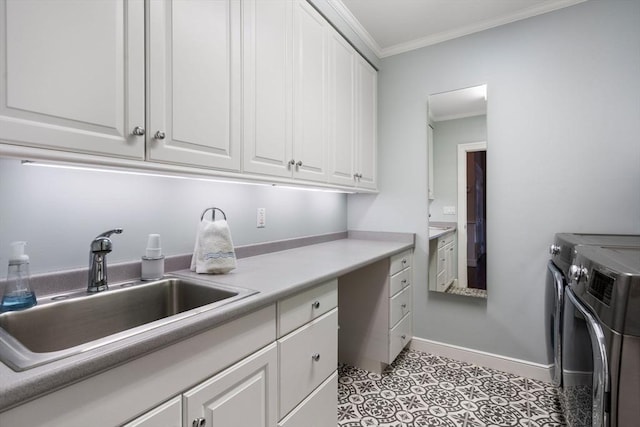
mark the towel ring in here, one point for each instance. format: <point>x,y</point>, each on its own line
<point>213,213</point>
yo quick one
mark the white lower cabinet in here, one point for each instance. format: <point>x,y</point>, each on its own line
<point>314,411</point>
<point>308,357</point>
<point>243,395</point>
<point>234,365</point>
<point>168,414</point>
<point>442,261</point>
<point>375,312</point>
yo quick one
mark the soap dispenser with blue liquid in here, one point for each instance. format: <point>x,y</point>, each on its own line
<point>18,294</point>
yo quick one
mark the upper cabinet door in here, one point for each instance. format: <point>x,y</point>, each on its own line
<point>73,75</point>
<point>309,93</point>
<point>367,79</point>
<point>342,111</point>
<point>267,86</point>
<point>194,91</point>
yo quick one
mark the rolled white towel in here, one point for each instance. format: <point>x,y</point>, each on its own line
<point>213,252</point>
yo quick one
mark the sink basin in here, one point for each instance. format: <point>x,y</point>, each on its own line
<point>68,324</point>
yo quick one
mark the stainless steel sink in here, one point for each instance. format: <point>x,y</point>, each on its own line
<point>68,324</point>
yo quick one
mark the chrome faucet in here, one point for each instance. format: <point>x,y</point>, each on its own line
<point>99,249</point>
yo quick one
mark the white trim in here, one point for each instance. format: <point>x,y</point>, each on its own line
<point>344,12</point>
<point>463,149</point>
<point>510,365</point>
<point>361,32</point>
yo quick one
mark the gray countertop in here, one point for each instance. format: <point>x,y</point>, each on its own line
<point>275,275</point>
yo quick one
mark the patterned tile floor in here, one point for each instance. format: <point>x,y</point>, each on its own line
<point>421,389</point>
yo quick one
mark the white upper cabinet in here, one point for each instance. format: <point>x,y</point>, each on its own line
<point>366,122</point>
<point>260,88</point>
<point>73,75</point>
<point>352,116</point>
<point>267,86</point>
<point>194,94</point>
<point>285,89</point>
<point>342,111</point>
<point>309,92</point>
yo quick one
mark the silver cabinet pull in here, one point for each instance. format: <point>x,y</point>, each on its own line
<point>316,304</point>
<point>315,357</point>
<point>299,163</point>
<point>159,135</point>
<point>291,163</point>
<point>404,306</point>
<point>199,422</point>
<point>138,131</point>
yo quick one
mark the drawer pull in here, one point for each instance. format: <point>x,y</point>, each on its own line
<point>316,304</point>
<point>404,281</point>
<point>404,337</point>
<point>315,357</point>
<point>404,261</point>
<point>404,306</point>
<point>199,422</point>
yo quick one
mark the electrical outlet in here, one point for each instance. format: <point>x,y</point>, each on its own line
<point>449,210</point>
<point>262,218</point>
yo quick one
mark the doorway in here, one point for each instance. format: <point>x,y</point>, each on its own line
<point>472,215</point>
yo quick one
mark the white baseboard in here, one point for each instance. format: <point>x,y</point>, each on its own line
<point>510,365</point>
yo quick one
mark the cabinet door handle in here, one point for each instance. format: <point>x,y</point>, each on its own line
<point>291,163</point>
<point>138,131</point>
<point>404,261</point>
<point>404,281</point>
<point>199,422</point>
<point>159,135</point>
<point>316,304</point>
<point>315,357</point>
<point>404,337</point>
<point>404,306</point>
<point>299,163</point>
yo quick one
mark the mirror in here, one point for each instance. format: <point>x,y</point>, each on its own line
<point>457,147</point>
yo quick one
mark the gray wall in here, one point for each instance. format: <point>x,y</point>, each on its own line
<point>563,155</point>
<point>59,211</point>
<point>446,137</point>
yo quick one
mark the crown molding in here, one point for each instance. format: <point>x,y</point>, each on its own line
<point>355,25</point>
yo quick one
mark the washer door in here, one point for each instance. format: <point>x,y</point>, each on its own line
<point>585,370</point>
<point>553,318</point>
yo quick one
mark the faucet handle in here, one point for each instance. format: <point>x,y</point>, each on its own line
<point>110,232</point>
<point>102,243</point>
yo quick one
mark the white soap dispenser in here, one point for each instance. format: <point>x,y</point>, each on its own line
<point>153,261</point>
<point>18,294</point>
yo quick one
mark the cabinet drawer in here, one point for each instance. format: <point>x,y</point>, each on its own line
<point>301,308</point>
<point>317,410</point>
<point>400,336</point>
<point>399,281</point>
<point>400,262</point>
<point>446,239</point>
<point>441,260</point>
<point>400,306</point>
<point>307,357</point>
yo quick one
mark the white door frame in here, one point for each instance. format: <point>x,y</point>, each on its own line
<point>463,149</point>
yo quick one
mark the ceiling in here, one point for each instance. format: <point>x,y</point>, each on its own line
<point>390,27</point>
